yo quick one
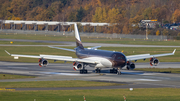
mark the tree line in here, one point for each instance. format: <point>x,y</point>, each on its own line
<point>120,13</point>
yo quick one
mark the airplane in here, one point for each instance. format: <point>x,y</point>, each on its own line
<point>95,58</point>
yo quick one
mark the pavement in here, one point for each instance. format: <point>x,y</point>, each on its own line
<point>61,71</point>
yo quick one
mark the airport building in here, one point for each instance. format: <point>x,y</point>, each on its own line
<point>149,23</point>
<point>45,25</point>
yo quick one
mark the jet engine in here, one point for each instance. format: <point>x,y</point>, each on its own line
<point>130,65</point>
<point>154,61</point>
<point>77,66</point>
<point>43,62</point>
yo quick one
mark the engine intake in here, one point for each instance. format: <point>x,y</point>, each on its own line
<point>130,65</point>
<point>77,66</point>
<point>154,61</point>
<point>43,62</point>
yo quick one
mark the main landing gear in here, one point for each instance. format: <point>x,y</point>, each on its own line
<point>116,71</point>
<point>97,70</point>
<point>83,71</point>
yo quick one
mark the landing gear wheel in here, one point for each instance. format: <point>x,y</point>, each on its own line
<point>83,71</point>
<point>113,70</point>
<point>97,70</point>
<point>119,71</point>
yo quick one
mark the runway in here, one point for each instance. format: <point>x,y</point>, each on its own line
<point>57,71</point>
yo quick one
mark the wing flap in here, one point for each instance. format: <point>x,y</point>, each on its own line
<point>42,55</point>
<point>72,59</point>
<point>132,56</point>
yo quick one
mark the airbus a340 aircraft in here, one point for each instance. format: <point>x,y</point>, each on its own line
<point>95,58</point>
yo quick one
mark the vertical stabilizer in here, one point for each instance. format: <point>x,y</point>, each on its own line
<point>77,36</point>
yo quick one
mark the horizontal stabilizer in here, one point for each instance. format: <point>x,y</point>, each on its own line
<point>71,50</point>
<point>94,48</point>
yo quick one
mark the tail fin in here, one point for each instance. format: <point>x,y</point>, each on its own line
<point>77,36</point>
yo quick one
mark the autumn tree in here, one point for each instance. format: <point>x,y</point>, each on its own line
<point>122,14</point>
<point>165,32</point>
<point>157,32</point>
<point>97,17</point>
<point>176,16</point>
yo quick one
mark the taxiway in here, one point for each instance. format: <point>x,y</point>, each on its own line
<point>57,71</point>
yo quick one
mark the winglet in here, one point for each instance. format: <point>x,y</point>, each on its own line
<point>7,52</point>
<point>174,51</point>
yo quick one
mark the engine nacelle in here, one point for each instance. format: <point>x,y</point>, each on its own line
<point>77,66</point>
<point>154,61</point>
<point>43,62</point>
<point>130,65</point>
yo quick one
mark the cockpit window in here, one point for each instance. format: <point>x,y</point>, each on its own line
<point>118,56</point>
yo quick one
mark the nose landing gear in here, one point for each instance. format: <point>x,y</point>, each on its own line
<point>119,71</point>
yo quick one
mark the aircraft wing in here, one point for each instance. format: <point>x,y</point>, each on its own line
<point>55,57</point>
<point>71,50</point>
<point>94,47</point>
<point>144,56</point>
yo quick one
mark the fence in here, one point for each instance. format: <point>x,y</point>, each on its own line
<point>97,35</point>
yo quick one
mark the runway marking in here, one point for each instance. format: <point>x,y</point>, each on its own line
<point>18,67</point>
<point>156,77</point>
<point>70,74</point>
<point>147,80</point>
<point>165,85</point>
<point>137,73</point>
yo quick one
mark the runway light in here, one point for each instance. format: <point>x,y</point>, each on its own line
<point>16,57</point>
<point>131,89</point>
<point>11,42</point>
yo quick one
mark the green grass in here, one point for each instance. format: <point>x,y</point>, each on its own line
<point>27,43</point>
<point>36,84</point>
<point>90,39</point>
<point>141,94</point>
<point>37,37</point>
<point>161,70</point>
<point>50,51</point>
<point>9,76</point>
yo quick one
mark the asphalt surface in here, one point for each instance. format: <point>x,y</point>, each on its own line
<point>57,71</point>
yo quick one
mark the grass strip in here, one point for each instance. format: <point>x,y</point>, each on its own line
<point>36,84</point>
<point>27,43</point>
<point>90,39</point>
<point>140,94</point>
<point>9,76</point>
<point>160,70</point>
